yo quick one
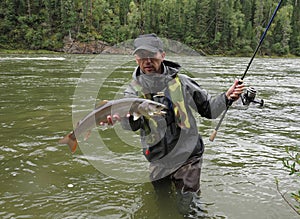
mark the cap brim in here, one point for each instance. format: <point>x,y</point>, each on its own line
<point>147,48</point>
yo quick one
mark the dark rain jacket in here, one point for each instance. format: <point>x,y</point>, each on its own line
<point>171,145</point>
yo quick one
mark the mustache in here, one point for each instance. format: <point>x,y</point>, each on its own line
<point>148,65</point>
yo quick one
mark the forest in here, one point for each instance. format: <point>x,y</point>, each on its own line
<point>215,27</point>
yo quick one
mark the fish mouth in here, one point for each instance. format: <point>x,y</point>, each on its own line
<point>162,107</point>
<point>159,109</point>
<point>160,113</point>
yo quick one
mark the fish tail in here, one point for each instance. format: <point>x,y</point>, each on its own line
<point>70,140</point>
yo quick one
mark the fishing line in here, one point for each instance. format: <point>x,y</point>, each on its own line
<point>213,135</point>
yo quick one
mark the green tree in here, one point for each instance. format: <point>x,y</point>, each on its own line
<point>248,42</point>
<point>133,18</point>
<point>152,16</point>
<point>262,13</point>
<point>295,23</point>
<point>212,26</point>
<point>215,31</point>
<point>202,23</point>
<point>281,31</point>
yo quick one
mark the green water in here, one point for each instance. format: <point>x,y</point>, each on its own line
<point>41,98</point>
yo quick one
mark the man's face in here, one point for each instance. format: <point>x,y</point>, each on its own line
<point>149,62</point>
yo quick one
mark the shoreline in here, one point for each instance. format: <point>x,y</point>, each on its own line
<point>41,51</point>
<point>26,51</point>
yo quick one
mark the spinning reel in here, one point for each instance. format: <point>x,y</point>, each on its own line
<point>249,97</point>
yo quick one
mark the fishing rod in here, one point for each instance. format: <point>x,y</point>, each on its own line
<point>213,135</point>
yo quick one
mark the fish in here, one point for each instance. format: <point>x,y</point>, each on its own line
<point>134,106</point>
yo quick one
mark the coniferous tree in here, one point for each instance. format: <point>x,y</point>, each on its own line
<point>212,26</point>
<point>295,23</point>
<point>281,31</point>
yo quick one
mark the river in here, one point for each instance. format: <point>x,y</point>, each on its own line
<point>42,96</point>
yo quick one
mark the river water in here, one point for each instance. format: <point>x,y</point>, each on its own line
<point>42,96</point>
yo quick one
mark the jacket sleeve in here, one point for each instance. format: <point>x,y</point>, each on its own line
<point>202,102</point>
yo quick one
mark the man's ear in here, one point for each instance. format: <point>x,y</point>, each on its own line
<point>136,60</point>
<point>163,55</point>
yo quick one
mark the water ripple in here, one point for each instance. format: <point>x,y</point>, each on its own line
<point>40,177</point>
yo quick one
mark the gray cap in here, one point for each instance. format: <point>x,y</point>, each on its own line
<point>149,42</point>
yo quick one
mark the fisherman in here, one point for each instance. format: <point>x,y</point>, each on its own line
<point>171,143</point>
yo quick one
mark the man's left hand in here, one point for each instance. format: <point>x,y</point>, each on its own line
<point>235,90</point>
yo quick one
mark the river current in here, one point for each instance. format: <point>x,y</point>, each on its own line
<point>43,96</point>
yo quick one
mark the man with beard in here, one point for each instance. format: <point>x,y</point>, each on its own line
<point>171,143</point>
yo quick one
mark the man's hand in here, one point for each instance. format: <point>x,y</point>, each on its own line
<point>112,119</point>
<point>235,90</point>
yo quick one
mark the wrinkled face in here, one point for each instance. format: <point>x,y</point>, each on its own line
<point>149,62</point>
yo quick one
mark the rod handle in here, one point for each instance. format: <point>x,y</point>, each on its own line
<point>213,135</point>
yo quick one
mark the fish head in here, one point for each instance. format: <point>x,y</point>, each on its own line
<point>150,108</point>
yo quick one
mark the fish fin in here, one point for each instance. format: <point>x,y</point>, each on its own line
<point>136,116</point>
<point>69,140</point>
<point>101,103</point>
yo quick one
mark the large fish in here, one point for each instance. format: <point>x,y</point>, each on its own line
<point>121,107</point>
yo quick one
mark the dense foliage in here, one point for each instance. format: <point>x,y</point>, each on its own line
<point>212,26</point>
